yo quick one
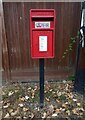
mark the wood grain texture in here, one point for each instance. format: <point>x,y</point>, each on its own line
<point>5,52</point>
<point>17,26</point>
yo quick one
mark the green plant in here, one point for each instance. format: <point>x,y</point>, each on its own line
<point>70,46</point>
<point>71,78</point>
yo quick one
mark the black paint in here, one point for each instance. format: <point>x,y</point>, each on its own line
<point>41,82</point>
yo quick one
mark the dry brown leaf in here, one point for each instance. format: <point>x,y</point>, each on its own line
<point>58,111</point>
<point>3,93</point>
<point>7,105</point>
<point>63,109</point>
<point>75,111</point>
<point>7,115</point>
<point>64,105</point>
<point>82,109</point>
<point>59,93</point>
<point>32,97</point>
<point>25,109</point>
<point>21,105</point>
<point>70,96</point>
<point>10,93</point>
<point>16,91</point>
<point>36,87</point>
<point>68,112</point>
<point>29,88</point>
<point>54,115</point>
<point>74,100</point>
<point>22,99</point>
<point>14,113</point>
<point>26,97</point>
<point>47,99</point>
<point>51,108</point>
<point>57,101</point>
<point>51,90</point>
<point>44,115</point>
<point>10,110</point>
<point>31,116</point>
<point>1,102</point>
<point>79,104</point>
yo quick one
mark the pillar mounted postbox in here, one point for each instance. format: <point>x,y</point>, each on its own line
<point>42,31</point>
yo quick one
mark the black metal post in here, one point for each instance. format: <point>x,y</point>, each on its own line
<point>41,67</point>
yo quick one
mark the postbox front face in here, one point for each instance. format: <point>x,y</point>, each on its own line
<point>42,29</point>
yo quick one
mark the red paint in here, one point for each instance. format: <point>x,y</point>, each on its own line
<point>42,27</point>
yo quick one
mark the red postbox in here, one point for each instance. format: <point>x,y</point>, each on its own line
<point>42,30</point>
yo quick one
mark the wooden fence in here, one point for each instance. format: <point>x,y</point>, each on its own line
<point>17,62</point>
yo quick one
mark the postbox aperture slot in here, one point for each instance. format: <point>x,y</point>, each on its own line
<point>42,19</point>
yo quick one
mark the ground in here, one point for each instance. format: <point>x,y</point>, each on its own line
<point>21,101</point>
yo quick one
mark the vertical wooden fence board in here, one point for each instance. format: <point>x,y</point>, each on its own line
<point>17,25</point>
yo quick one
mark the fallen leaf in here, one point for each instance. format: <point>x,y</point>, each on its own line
<point>81,114</point>
<point>24,117</point>
<point>57,110</point>
<point>7,105</point>
<point>67,87</point>
<point>51,90</point>
<point>10,93</point>
<point>31,116</point>
<point>32,97</point>
<point>26,97</point>
<point>70,96</point>
<point>64,81</point>
<point>22,99</point>
<point>1,102</point>
<point>14,113</point>
<point>7,115</point>
<point>64,105</point>
<point>63,109</point>
<point>16,91</point>
<point>75,111</point>
<point>79,104</point>
<point>82,109</point>
<point>21,105</point>
<point>47,99</point>
<point>45,91</point>
<point>54,115</point>
<point>68,112</point>
<point>36,87</point>
<point>59,93</point>
<point>44,115</point>
<point>3,93</point>
<point>57,101</point>
<point>29,88</point>
<point>18,117</point>
<point>25,109</point>
<point>74,100</point>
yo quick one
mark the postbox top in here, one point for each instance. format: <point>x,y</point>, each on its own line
<point>42,13</point>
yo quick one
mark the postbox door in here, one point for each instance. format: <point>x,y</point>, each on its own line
<point>42,44</point>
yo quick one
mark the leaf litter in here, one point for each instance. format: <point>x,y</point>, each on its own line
<point>22,101</point>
